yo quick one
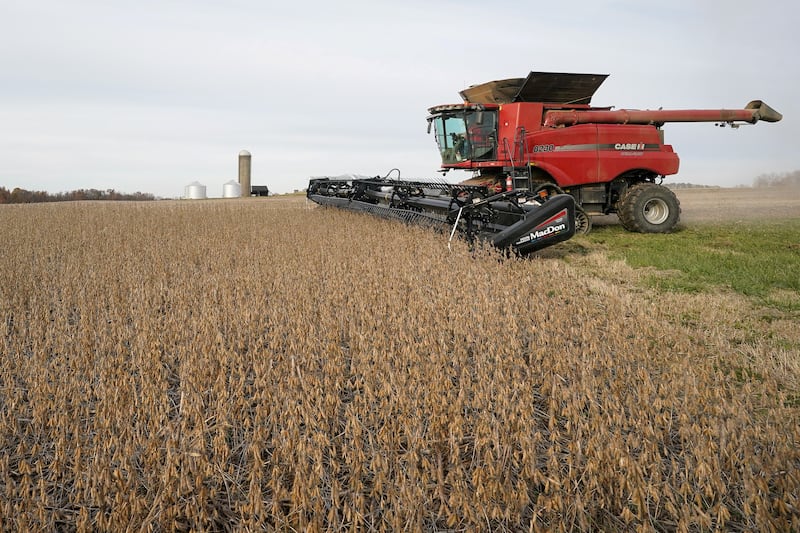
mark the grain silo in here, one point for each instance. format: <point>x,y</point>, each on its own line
<point>231,189</point>
<point>244,173</point>
<point>194,191</point>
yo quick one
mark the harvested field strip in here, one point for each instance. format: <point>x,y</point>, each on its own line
<point>258,364</point>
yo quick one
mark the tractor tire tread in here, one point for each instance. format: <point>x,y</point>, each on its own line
<point>631,210</point>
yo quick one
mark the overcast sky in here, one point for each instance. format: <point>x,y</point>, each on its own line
<point>152,95</point>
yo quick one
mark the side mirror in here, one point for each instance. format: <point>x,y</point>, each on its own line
<point>430,123</point>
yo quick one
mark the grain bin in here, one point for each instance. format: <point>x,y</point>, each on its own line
<point>194,191</point>
<point>231,189</point>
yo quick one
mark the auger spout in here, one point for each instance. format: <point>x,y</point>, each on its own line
<point>764,112</point>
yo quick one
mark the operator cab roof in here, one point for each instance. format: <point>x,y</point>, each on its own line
<point>547,87</point>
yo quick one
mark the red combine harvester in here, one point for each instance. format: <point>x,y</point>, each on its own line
<point>533,140</point>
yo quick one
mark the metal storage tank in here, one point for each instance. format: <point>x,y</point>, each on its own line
<point>244,172</point>
<point>195,191</point>
<point>231,189</point>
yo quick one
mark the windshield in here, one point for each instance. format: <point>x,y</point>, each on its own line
<point>466,135</point>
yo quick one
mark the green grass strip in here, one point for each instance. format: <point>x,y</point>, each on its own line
<point>757,259</point>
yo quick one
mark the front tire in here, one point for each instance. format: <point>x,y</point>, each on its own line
<point>649,208</point>
<point>583,224</point>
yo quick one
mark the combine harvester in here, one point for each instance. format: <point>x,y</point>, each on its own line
<point>544,160</point>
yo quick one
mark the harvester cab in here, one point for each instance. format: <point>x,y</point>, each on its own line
<point>465,132</point>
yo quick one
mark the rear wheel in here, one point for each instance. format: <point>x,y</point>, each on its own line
<point>649,208</point>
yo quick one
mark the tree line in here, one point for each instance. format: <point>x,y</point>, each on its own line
<point>778,179</point>
<point>22,196</point>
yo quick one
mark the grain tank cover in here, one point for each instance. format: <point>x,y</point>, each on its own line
<point>493,92</point>
<point>548,87</point>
